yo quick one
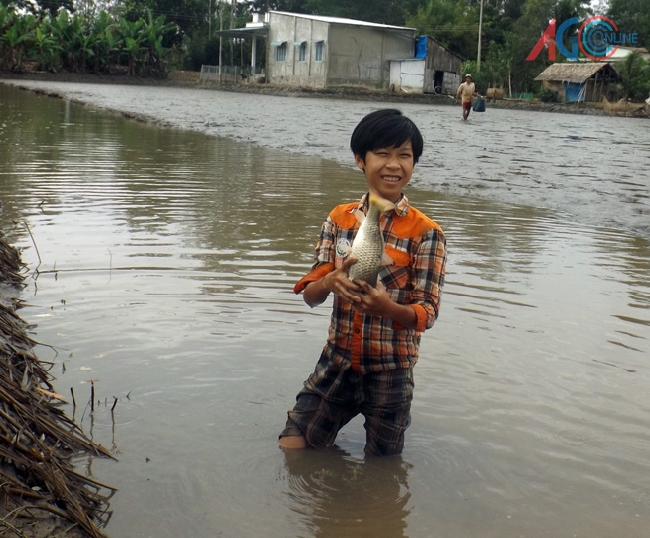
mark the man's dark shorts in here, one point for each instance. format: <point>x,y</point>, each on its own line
<point>333,396</point>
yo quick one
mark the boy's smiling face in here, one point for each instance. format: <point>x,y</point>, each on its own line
<point>388,170</point>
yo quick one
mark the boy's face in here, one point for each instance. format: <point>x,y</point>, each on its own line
<point>388,170</point>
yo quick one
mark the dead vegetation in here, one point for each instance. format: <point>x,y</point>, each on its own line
<point>623,107</point>
<point>43,495</point>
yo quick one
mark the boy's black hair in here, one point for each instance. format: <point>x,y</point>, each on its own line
<point>386,128</point>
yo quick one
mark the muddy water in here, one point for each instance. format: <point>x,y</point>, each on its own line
<point>593,169</point>
<point>161,268</point>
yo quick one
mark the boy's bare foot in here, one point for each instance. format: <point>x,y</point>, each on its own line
<point>294,441</point>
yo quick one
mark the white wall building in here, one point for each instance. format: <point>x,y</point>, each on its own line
<point>314,51</point>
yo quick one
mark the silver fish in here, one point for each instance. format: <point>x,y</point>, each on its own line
<point>368,245</point>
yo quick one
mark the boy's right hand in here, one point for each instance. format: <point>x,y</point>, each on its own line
<point>339,283</point>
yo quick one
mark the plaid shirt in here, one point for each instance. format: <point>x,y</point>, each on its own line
<point>417,246</point>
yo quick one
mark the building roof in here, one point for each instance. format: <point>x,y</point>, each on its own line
<point>249,31</point>
<point>623,52</point>
<point>339,20</point>
<point>574,72</point>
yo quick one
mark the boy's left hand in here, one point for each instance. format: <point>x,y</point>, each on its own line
<point>373,301</point>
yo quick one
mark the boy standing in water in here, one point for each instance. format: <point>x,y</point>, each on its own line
<point>367,363</point>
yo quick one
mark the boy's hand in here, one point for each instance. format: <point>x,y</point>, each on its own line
<point>337,282</point>
<point>377,302</point>
<point>373,301</point>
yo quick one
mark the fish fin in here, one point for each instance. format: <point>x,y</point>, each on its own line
<point>386,260</point>
<point>359,216</point>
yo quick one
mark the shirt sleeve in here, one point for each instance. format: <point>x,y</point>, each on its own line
<point>324,256</point>
<point>428,278</point>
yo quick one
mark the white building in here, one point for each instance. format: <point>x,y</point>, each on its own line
<point>315,51</point>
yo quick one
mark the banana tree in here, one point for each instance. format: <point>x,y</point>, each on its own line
<point>152,36</point>
<point>84,46</point>
<point>16,37</point>
<point>46,47</point>
<point>63,29</point>
<point>107,42</point>
<point>132,34</point>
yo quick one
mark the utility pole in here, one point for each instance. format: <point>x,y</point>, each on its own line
<point>480,28</point>
<point>210,20</point>
<point>220,38</point>
<point>233,8</point>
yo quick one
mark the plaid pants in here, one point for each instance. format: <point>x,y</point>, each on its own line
<point>333,396</point>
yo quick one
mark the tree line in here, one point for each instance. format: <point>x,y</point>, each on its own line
<point>148,36</point>
<point>56,40</point>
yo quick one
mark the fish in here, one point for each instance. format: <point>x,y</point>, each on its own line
<point>368,245</point>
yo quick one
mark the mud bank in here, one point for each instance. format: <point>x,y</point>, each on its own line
<point>188,79</point>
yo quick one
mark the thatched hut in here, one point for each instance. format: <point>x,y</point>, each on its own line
<point>580,82</point>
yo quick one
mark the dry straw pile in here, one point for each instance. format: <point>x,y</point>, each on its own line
<point>40,487</point>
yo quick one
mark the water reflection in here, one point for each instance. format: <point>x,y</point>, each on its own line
<point>336,495</point>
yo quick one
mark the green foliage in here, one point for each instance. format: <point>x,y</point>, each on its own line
<point>546,95</point>
<point>480,78</point>
<point>188,15</point>
<point>451,22</point>
<point>138,36</point>
<point>632,16</point>
<point>635,75</point>
<point>70,42</point>
<point>52,7</point>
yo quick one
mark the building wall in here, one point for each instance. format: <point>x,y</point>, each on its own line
<point>450,83</point>
<point>292,71</point>
<point>440,59</point>
<point>594,91</point>
<point>351,55</point>
<point>360,56</point>
<point>442,69</point>
<point>557,87</point>
<point>407,75</point>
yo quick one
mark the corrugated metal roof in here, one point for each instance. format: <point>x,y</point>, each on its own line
<point>340,20</point>
<point>572,72</point>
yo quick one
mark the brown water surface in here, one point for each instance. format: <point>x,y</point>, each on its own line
<point>162,266</point>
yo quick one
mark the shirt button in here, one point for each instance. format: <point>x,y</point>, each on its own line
<point>357,331</point>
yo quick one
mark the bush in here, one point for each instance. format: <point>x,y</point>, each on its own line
<point>547,96</point>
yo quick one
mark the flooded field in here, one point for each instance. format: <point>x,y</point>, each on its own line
<point>593,169</point>
<point>162,264</point>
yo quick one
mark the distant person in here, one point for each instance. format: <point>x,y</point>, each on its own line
<point>366,366</point>
<point>466,92</point>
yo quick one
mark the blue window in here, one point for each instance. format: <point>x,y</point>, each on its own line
<point>302,52</point>
<point>318,52</point>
